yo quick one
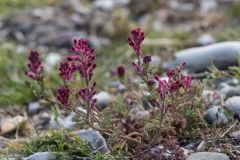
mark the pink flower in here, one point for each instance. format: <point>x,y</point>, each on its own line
<point>121,71</point>
<point>174,86</point>
<point>170,74</point>
<point>150,82</point>
<point>63,96</point>
<point>93,86</point>
<point>147,58</point>
<point>65,71</point>
<point>156,102</point>
<point>34,65</point>
<point>136,40</point>
<point>81,45</point>
<point>75,58</point>
<point>93,102</point>
<point>86,58</point>
<point>188,80</point>
<point>128,101</point>
<point>137,67</point>
<point>182,65</point>
<point>87,94</point>
<point>163,87</point>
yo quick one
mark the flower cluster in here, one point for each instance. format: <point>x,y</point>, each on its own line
<point>175,81</point>
<point>85,58</point>
<point>135,42</point>
<point>66,71</point>
<point>63,96</point>
<point>34,65</point>
<point>84,66</point>
<point>88,93</point>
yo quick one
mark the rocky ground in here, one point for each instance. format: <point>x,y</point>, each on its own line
<point>201,24</point>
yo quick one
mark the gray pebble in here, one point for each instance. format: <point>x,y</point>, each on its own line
<point>95,138</point>
<point>98,42</point>
<point>67,121</point>
<point>208,156</point>
<point>41,156</point>
<point>106,5</point>
<point>208,5</point>
<point>81,158</point>
<point>43,13</point>
<point>228,90</point>
<point>33,107</point>
<point>232,81</point>
<point>214,99</point>
<point>215,114</point>
<point>20,49</point>
<point>1,145</point>
<point>114,83</point>
<point>233,104</point>
<point>103,99</point>
<point>181,7</point>
<point>191,146</point>
<point>155,151</point>
<point>122,88</point>
<point>235,134</point>
<point>54,124</point>
<point>198,58</point>
<point>51,60</point>
<point>205,39</point>
<point>156,61</point>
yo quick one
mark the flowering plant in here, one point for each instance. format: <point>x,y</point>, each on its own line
<point>150,136</point>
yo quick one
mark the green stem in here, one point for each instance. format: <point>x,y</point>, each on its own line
<point>158,133</point>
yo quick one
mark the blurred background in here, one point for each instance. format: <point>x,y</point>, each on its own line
<point>49,27</point>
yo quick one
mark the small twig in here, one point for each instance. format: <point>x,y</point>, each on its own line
<point>4,139</point>
<point>222,103</point>
<point>201,145</point>
<point>16,133</point>
<point>229,129</point>
<point>202,118</point>
<point>13,140</point>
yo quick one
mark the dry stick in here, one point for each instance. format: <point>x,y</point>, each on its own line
<point>185,103</point>
<point>4,139</point>
<point>201,145</point>
<point>129,139</point>
<point>199,114</point>
<point>229,129</point>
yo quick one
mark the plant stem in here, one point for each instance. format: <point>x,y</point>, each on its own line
<point>89,124</point>
<point>155,138</point>
<point>129,139</point>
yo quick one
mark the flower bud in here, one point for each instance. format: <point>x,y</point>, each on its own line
<point>151,82</point>
<point>121,71</point>
<point>147,58</point>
